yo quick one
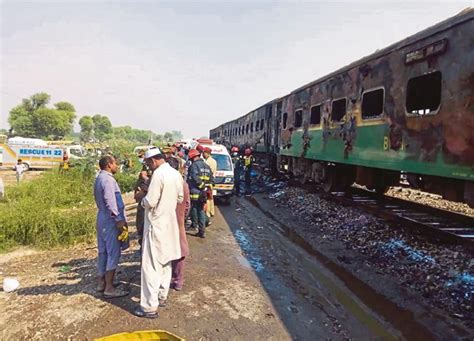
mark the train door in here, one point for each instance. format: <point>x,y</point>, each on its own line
<point>276,128</point>
<point>267,132</point>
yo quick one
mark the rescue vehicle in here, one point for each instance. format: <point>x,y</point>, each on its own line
<point>34,153</point>
<point>224,177</point>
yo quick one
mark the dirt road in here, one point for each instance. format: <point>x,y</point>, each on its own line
<point>245,281</point>
<point>8,175</point>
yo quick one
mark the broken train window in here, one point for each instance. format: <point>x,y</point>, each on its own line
<point>285,118</point>
<point>315,117</point>
<point>261,124</point>
<point>298,118</point>
<point>372,103</point>
<point>251,127</point>
<point>424,94</point>
<point>338,109</point>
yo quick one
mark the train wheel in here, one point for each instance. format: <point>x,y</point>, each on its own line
<point>329,179</point>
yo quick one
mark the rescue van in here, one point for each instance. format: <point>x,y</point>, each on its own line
<point>224,177</point>
<point>34,154</point>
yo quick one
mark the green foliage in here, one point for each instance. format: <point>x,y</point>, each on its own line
<point>52,123</point>
<point>102,127</point>
<point>137,135</point>
<point>65,106</point>
<point>33,119</point>
<point>87,128</point>
<point>55,210</point>
<point>126,181</point>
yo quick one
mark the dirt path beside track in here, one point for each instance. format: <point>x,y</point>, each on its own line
<point>244,281</point>
<point>250,279</point>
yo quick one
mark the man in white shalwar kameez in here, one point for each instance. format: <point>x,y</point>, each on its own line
<point>161,243</point>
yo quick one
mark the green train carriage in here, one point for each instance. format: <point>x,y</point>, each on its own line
<point>407,108</point>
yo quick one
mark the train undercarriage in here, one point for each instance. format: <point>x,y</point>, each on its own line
<point>335,177</point>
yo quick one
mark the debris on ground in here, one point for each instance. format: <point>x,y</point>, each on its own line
<point>441,273</point>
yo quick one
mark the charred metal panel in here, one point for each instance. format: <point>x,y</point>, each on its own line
<point>438,142</point>
<point>448,133</point>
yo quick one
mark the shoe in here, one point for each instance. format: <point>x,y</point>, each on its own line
<point>208,223</point>
<point>116,293</point>
<point>177,288</point>
<point>200,234</point>
<point>140,313</point>
<point>163,304</point>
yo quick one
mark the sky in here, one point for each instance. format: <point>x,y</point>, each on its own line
<point>189,66</point>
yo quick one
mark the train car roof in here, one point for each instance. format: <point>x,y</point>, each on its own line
<point>463,16</point>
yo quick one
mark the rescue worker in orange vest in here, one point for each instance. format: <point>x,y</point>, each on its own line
<point>248,161</point>
<point>199,180</point>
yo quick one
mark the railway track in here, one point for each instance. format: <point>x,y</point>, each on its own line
<point>435,222</point>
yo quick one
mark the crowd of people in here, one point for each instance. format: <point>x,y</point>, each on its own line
<point>174,183</point>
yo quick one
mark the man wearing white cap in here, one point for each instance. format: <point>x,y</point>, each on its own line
<point>161,242</point>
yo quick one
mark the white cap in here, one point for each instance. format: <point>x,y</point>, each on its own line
<point>152,152</point>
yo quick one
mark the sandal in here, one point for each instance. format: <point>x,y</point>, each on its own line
<point>140,313</point>
<point>116,293</point>
<point>101,287</point>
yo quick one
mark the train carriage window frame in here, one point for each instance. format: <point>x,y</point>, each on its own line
<point>284,122</point>
<point>373,117</point>
<point>310,115</point>
<point>262,122</point>
<point>298,118</point>
<point>428,78</point>
<point>257,122</point>
<point>332,109</point>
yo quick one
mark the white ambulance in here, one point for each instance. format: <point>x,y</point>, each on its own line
<point>34,153</point>
<point>224,177</point>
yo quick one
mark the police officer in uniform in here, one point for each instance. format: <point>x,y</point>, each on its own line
<point>199,178</point>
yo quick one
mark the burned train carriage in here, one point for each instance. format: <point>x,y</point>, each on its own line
<point>407,108</point>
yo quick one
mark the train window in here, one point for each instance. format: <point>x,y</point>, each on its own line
<point>257,125</point>
<point>251,127</point>
<point>338,109</point>
<point>424,94</point>
<point>247,129</point>
<point>261,123</point>
<point>372,103</point>
<point>298,118</point>
<point>315,117</point>
<point>285,118</point>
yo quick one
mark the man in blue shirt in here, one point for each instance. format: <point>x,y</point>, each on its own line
<point>110,224</point>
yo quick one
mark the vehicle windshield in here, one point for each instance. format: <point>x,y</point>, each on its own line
<point>76,152</point>
<point>224,163</point>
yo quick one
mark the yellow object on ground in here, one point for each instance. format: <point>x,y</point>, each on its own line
<point>142,335</point>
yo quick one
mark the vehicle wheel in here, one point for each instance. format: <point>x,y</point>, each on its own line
<point>329,179</point>
<point>26,166</point>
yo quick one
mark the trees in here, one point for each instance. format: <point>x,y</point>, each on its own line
<point>96,127</point>
<point>32,118</point>
<point>102,127</point>
<point>87,128</point>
